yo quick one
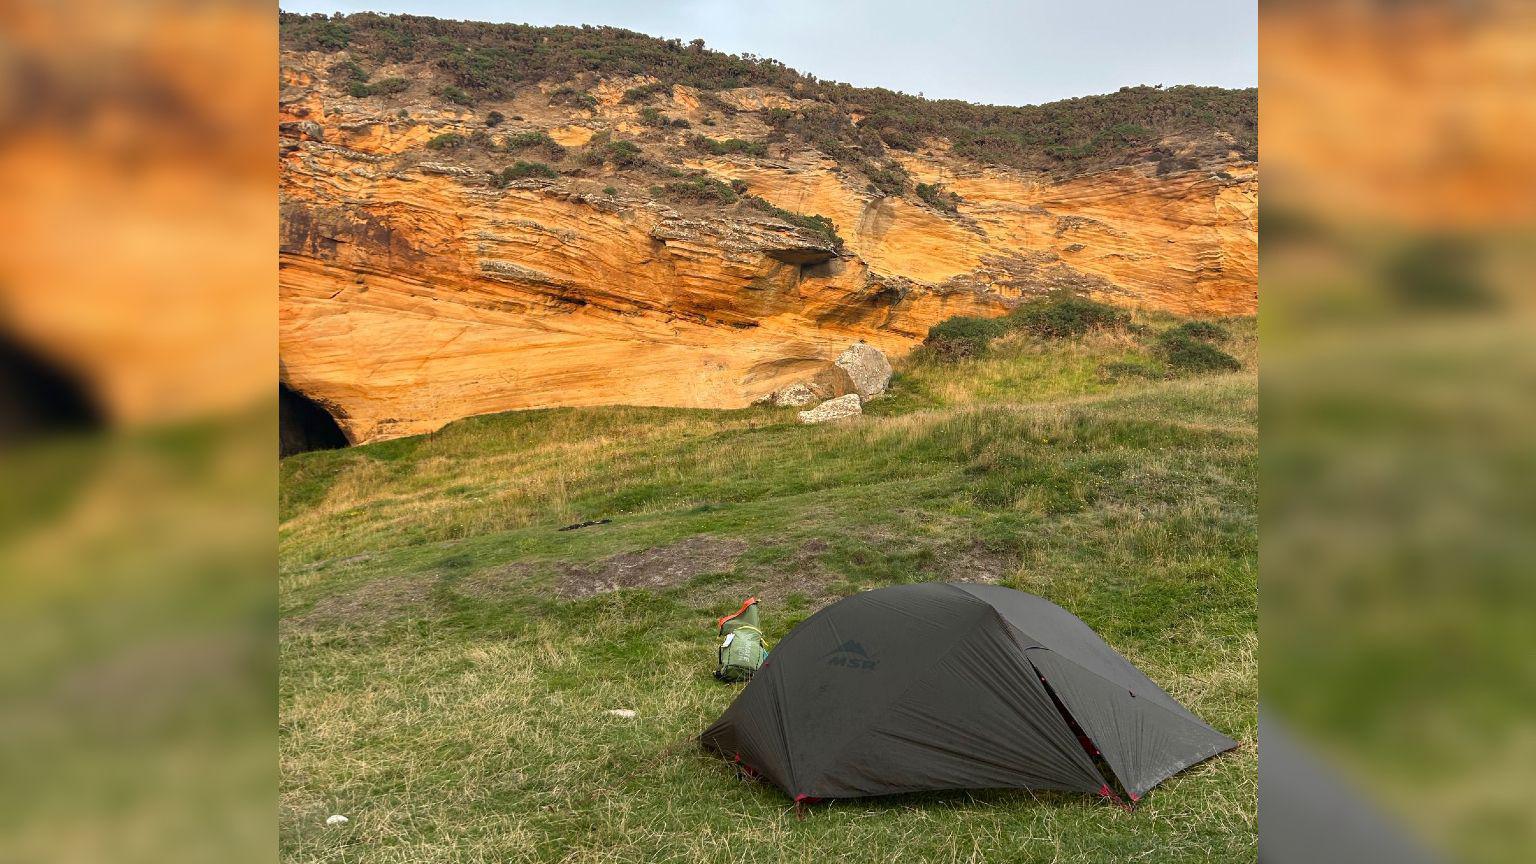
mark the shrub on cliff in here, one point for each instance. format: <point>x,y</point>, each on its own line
<point>494,119</point>
<point>343,73</point>
<point>521,171</point>
<point>314,32</point>
<point>382,87</point>
<point>890,180</point>
<point>1064,314</point>
<point>625,154</point>
<point>456,95</point>
<point>728,146</point>
<point>644,92</point>
<point>700,190</point>
<point>533,139</point>
<point>652,117</point>
<point>817,223</point>
<point>938,197</point>
<point>446,141</point>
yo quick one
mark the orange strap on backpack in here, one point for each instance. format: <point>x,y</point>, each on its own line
<point>744,605</point>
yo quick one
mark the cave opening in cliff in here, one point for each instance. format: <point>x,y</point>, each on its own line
<point>40,397</point>
<point>304,424</point>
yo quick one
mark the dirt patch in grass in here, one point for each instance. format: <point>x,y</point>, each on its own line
<point>978,563</point>
<point>659,567</point>
<point>803,573</point>
<point>368,605</point>
<point>496,584</point>
<point>807,576</point>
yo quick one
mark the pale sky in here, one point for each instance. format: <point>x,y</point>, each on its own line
<point>1007,52</point>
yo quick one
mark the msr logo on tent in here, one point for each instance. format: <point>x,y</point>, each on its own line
<point>851,655</point>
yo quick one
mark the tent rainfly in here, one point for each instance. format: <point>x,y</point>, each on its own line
<point>954,686</point>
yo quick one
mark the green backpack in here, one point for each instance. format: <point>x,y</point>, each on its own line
<point>742,650</point>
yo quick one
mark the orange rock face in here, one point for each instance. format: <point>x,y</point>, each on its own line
<point>414,291</point>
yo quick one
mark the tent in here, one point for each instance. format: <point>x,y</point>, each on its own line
<point>954,686</point>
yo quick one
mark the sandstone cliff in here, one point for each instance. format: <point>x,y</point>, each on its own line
<point>417,287</point>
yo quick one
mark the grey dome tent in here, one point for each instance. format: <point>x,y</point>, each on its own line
<point>954,686</point>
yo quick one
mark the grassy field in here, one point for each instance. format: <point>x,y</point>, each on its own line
<point>448,657</point>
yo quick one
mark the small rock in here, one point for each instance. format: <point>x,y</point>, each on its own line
<point>302,129</point>
<point>337,819</point>
<point>626,713</point>
<point>867,366</point>
<point>834,409</point>
<point>794,396</point>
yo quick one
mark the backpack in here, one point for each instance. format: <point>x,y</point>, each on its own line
<point>742,650</point>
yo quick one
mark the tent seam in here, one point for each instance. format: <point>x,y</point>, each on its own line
<point>1118,685</point>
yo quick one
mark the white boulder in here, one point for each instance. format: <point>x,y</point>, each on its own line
<point>834,409</point>
<point>867,366</point>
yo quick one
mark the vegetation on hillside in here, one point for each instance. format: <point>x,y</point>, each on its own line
<point>700,189</point>
<point>1188,348</point>
<point>446,669</point>
<point>815,222</point>
<point>521,170</point>
<point>938,197</point>
<point>492,61</point>
<point>727,146</point>
<point>534,139</point>
<point>1191,350</point>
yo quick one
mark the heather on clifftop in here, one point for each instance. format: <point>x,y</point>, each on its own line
<point>492,61</point>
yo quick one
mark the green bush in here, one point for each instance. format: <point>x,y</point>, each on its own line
<point>494,119</point>
<point>644,92</point>
<point>528,140</point>
<point>610,191</point>
<point>625,154</point>
<point>1184,353</point>
<point>446,141</point>
<point>963,336</point>
<point>817,223</point>
<point>346,72</point>
<point>520,171</point>
<point>938,198</point>
<point>1205,331</point>
<point>457,95</point>
<point>1063,315</point>
<point>728,146</point>
<point>314,32</point>
<point>891,180</point>
<point>700,190</point>
<point>382,87</point>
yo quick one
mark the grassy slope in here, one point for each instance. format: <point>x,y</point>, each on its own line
<point>455,710</point>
